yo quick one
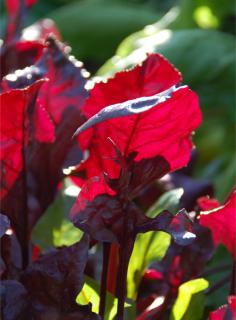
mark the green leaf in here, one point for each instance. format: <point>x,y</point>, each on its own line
<point>168,201</point>
<point>151,246</point>
<point>189,303</point>
<point>100,24</point>
<point>218,297</point>
<point>90,294</point>
<point>148,247</point>
<point>52,219</point>
<point>54,228</point>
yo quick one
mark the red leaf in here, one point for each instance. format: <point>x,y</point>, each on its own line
<point>144,80</point>
<point>57,108</point>
<point>65,88</point>
<point>14,5</point>
<point>44,130</point>
<point>206,203</point>
<point>230,310</point>
<point>16,15</point>
<point>14,131</point>
<point>222,223</point>
<point>164,130</point>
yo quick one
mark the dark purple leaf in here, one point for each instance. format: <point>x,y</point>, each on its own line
<point>135,176</point>
<point>4,224</point>
<point>178,226</point>
<point>17,10</point>
<point>14,300</point>
<point>55,279</point>
<point>101,212</point>
<point>180,264</point>
<point>19,55</point>
<point>193,189</point>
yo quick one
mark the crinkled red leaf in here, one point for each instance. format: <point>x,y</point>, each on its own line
<point>163,130</point>
<point>155,75</point>
<point>222,223</point>
<point>15,131</point>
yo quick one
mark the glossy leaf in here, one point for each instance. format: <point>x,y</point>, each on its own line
<point>126,108</point>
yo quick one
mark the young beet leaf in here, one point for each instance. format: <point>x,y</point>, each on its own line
<point>149,129</point>
<point>139,129</point>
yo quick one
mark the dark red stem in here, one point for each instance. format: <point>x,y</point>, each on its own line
<point>233,279</point>
<point>103,287</point>
<point>113,268</point>
<point>24,241</point>
<point>125,252</point>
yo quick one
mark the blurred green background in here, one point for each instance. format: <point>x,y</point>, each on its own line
<point>197,36</point>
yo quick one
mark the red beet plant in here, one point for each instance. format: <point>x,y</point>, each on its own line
<point>121,137</point>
